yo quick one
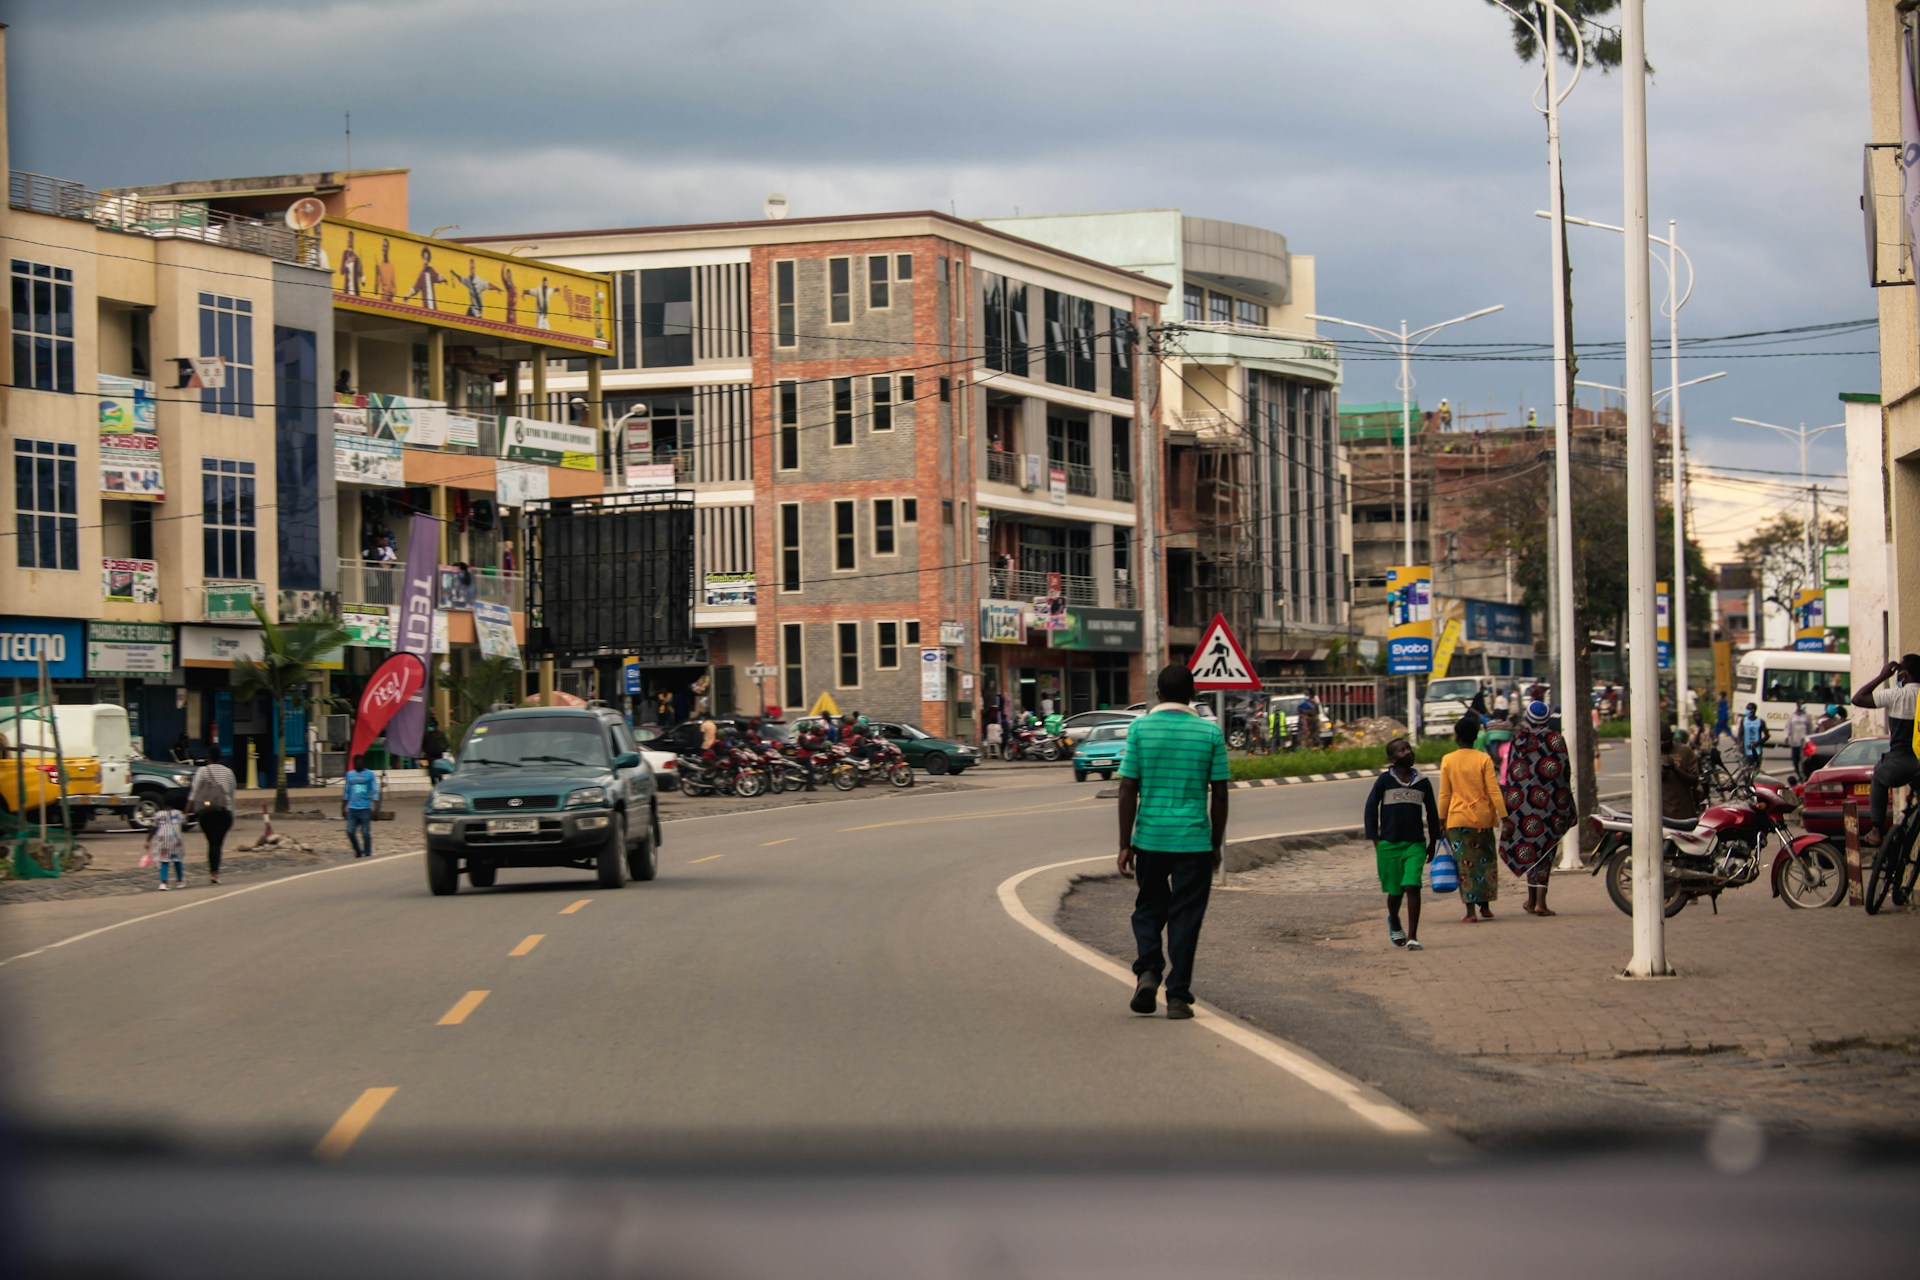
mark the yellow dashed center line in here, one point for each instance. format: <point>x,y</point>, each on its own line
<point>464,1006</point>
<point>567,911</point>
<point>709,858</point>
<point>527,944</point>
<point>769,844</point>
<point>354,1119</point>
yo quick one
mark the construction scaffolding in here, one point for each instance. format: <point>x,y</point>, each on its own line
<point>1227,572</point>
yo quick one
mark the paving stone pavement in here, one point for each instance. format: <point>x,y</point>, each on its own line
<point>1805,1017</point>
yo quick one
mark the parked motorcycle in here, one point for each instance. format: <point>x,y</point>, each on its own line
<point>1037,744</point>
<point>891,762</point>
<point>1723,849</point>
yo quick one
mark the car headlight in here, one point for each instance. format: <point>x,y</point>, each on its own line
<point>969,752</point>
<point>586,795</point>
<point>446,801</point>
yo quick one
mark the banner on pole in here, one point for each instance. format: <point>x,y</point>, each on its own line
<point>1663,624</point>
<point>413,629</point>
<point>1810,620</point>
<point>1409,619</point>
<point>396,680</point>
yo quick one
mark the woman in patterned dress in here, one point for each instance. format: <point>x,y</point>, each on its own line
<point>1538,788</point>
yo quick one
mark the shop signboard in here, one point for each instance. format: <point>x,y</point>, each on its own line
<point>365,460</point>
<point>515,484</point>
<point>127,405</point>
<point>953,634</point>
<point>933,675</point>
<point>369,626</point>
<point>1099,631</point>
<point>130,649</point>
<point>130,468</point>
<point>350,417</point>
<point>729,590</point>
<point>1491,622</point>
<point>556,444</point>
<point>463,429</point>
<point>130,581</point>
<point>650,475</point>
<point>493,623</point>
<point>1810,620</point>
<point>24,641</point>
<point>1002,623</point>
<point>217,647</point>
<point>384,272</point>
<point>1409,619</point>
<point>1057,485</point>
<point>420,424</point>
<point>232,601</point>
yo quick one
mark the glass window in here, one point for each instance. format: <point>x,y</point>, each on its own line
<point>909,511</point>
<point>226,330</point>
<point>1059,358</point>
<point>789,547</point>
<point>42,298</point>
<point>792,662</point>
<point>1120,353</point>
<point>993,319</point>
<point>1219,308</point>
<point>666,317</point>
<point>882,389</point>
<point>840,290</point>
<point>886,646</point>
<point>879,282</point>
<point>846,552</point>
<point>1069,339</point>
<point>1251,314</point>
<point>1018,344</point>
<point>1122,447</point>
<point>576,740</point>
<point>903,266</point>
<point>46,504</point>
<point>788,395</point>
<point>228,522</point>
<point>784,334</point>
<point>847,646</point>
<point>913,632</point>
<point>883,530</point>
<point>843,411</point>
<point>906,388</point>
<point>1196,303</point>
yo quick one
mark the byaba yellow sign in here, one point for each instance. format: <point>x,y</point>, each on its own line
<point>393,273</point>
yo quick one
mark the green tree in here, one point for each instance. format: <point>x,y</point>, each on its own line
<point>284,674</point>
<point>488,680</point>
<point>1777,554</point>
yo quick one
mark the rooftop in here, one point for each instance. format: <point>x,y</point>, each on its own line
<point>162,220</point>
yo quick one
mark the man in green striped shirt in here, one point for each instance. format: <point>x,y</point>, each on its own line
<point>1173,818</point>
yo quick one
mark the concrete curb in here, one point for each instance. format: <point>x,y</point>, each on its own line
<point>1348,776</point>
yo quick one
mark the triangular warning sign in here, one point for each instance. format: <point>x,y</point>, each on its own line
<point>1220,662</point>
<point>824,705</point>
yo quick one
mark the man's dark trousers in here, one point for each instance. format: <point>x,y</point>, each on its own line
<point>1173,891</point>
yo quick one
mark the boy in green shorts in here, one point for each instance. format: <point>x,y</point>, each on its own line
<point>1403,822</point>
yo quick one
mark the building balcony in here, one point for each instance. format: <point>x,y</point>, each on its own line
<point>370,582</point>
<point>1003,467</point>
<point>1027,585</point>
<point>1302,355</point>
<point>1122,486</point>
<point>483,586</point>
<point>160,219</point>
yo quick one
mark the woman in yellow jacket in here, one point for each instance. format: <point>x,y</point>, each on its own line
<point>1471,806</point>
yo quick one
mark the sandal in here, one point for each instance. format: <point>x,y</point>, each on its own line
<point>1542,911</point>
<point>1398,937</point>
<point>1471,919</point>
<point>1413,944</point>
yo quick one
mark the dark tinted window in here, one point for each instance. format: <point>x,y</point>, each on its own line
<point>666,316</point>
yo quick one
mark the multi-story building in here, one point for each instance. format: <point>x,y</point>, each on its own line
<point>147,513</point>
<point>1255,490</point>
<point>908,437</point>
<point>425,341</point>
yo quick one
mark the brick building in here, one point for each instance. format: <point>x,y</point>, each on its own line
<point>905,434</point>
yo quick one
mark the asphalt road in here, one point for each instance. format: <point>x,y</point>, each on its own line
<point>795,974</point>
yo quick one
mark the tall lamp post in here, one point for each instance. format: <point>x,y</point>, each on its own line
<point>1805,436</point>
<point>1676,299</point>
<point>1406,340</point>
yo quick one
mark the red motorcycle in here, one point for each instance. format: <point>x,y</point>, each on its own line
<point>1723,849</point>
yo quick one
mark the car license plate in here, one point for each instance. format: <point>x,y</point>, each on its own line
<point>1863,788</point>
<point>512,826</point>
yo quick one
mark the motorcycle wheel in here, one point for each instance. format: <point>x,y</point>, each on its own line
<point>750,783</point>
<point>1050,751</point>
<point>1619,874</point>
<point>1818,878</point>
<point>843,777</point>
<point>901,775</point>
<point>776,782</point>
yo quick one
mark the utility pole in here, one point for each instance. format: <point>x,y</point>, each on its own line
<point>1649,925</point>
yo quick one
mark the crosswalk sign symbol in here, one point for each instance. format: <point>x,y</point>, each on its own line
<point>1219,662</point>
<point>824,705</point>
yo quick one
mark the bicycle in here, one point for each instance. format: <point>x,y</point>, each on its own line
<point>1895,868</point>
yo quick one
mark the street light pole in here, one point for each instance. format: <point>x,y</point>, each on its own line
<point>1804,436</point>
<point>1649,933</point>
<point>1406,341</point>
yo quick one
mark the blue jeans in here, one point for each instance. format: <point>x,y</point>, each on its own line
<point>360,832</point>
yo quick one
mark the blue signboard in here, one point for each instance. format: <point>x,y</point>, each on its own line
<point>1491,622</point>
<point>24,641</point>
<point>631,672</point>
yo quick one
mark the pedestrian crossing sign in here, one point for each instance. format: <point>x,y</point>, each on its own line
<point>1219,662</point>
<point>824,705</point>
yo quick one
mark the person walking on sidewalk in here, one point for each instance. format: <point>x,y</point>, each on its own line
<point>1173,820</point>
<point>1537,782</point>
<point>210,799</point>
<point>358,798</point>
<point>1403,823</point>
<point>166,844</point>
<point>1471,806</point>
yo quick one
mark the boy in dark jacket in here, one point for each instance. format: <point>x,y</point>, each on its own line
<point>1403,823</point>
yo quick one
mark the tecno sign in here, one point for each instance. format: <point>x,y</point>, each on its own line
<point>26,642</point>
<point>32,646</point>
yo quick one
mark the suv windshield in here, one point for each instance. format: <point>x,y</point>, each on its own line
<point>579,740</point>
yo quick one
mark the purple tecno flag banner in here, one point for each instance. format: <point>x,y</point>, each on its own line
<point>413,630</point>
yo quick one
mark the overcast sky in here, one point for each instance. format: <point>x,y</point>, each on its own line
<point>1394,140</point>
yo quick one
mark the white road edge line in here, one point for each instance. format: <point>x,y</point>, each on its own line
<point>202,902</point>
<point>1382,1114</point>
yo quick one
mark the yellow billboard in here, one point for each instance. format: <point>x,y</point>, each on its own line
<point>383,272</point>
<point>1409,619</point>
<point>1810,620</point>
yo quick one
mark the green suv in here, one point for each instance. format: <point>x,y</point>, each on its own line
<point>543,787</point>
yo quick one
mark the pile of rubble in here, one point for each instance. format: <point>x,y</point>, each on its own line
<point>1375,731</point>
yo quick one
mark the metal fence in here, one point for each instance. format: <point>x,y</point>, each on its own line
<point>160,219</point>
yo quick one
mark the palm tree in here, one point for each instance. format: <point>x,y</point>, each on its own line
<point>488,681</point>
<point>292,652</point>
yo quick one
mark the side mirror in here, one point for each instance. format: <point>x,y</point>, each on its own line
<point>627,760</point>
<point>441,768</point>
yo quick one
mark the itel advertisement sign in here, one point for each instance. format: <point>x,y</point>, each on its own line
<point>398,679</point>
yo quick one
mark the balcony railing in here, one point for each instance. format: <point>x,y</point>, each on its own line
<point>1080,479</point>
<point>1027,585</point>
<point>161,219</point>
<point>370,582</point>
<point>1003,467</point>
<point>1287,344</point>
<point>487,586</point>
<point>1123,486</point>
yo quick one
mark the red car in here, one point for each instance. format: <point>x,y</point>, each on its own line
<point>1850,772</point>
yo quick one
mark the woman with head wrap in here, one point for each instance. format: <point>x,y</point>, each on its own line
<point>1538,787</point>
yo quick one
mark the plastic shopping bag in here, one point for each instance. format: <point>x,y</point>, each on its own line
<point>146,860</point>
<point>1443,873</point>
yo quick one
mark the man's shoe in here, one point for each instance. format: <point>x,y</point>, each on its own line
<point>1144,992</point>
<point>1178,1009</point>
<point>1870,838</point>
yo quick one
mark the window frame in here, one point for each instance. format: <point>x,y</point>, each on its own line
<point>786,306</point>
<point>63,519</point>
<point>842,630</point>
<point>902,267</point>
<point>245,530</point>
<point>791,521</point>
<point>786,412</point>
<point>909,511</point>
<point>34,330</point>
<point>880,645</point>
<point>840,299</point>
<point>880,289</point>
<point>880,406</point>
<point>847,541</point>
<point>1194,303</point>
<point>235,399</point>
<point>793,663</point>
<point>843,432</point>
<point>891,527</point>
<point>910,633</point>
